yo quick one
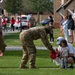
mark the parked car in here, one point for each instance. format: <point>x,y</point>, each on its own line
<point>24,21</point>
<point>46,21</point>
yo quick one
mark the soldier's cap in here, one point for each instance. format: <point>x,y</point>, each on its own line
<point>59,39</point>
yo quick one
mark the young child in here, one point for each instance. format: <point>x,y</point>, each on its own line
<point>62,53</point>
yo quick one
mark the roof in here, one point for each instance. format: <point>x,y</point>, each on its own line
<point>64,5</point>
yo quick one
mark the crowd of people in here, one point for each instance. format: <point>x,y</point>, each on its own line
<point>67,28</point>
<point>10,24</point>
<point>16,23</point>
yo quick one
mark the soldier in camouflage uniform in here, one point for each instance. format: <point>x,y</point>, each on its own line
<point>2,44</point>
<point>32,21</point>
<point>29,50</point>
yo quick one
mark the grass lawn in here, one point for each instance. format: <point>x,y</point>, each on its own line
<point>9,64</point>
<point>13,39</point>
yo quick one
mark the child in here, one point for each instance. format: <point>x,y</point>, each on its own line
<point>62,52</point>
<point>64,45</point>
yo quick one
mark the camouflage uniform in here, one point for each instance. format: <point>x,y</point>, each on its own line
<point>2,44</point>
<point>27,37</point>
<point>32,21</point>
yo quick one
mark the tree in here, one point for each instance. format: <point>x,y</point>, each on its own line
<point>41,6</point>
<point>13,6</point>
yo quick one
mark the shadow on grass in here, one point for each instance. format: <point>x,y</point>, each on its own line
<point>40,53</point>
<point>13,53</point>
<point>34,68</point>
<point>12,36</point>
<point>8,67</point>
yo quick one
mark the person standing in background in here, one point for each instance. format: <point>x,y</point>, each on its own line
<point>61,22</point>
<point>65,29</point>
<point>51,25</point>
<point>12,21</point>
<point>32,21</point>
<point>71,28</point>
<point>4,24</point>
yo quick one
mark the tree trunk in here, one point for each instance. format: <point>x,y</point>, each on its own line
<point>38,20</point>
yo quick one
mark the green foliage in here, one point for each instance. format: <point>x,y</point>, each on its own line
<point>41,5</point>
<point>13,6</point>
<point>13,39</point>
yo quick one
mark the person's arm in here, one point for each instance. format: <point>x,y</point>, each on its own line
<point>45,40</point>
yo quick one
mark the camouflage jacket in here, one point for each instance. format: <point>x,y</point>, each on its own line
<point>37,33</point>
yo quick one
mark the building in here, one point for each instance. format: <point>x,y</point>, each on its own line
<point>63,8</point>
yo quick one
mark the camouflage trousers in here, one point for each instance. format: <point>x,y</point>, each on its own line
<point>29,52</point>
<point>2,47</point>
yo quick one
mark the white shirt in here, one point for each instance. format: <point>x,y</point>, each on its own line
<point>65,24</point>
<point>63,50</point>
<point>70,48</point>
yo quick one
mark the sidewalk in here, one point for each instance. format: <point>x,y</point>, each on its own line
<point>9,48</point>
<point>9,31</point>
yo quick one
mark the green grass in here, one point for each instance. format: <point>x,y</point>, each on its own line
<point>9,65</point>
<point>13,39</point>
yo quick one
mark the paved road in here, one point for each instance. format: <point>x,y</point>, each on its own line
<point>20,48</point>
<point>16,31</point>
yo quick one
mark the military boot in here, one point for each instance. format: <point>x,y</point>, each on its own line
<point>32,58</point>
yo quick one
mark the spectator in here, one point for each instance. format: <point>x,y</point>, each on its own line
<point>61,22</point>
<point>32,21</point>
<point>71,28</point>
<point>51,32</point>
<point>12,21</point>
<point>17,23</point>
<point>65,28</point>
<point>4,24</point>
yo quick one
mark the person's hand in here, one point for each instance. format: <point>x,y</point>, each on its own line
<point>52,55</point>
<point>61,56</point>
<point>1,54</point>
<point>53,51</point>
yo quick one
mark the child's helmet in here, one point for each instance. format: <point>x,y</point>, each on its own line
<point>59,39</point>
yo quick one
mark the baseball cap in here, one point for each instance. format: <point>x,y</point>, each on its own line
<point>59,39</point>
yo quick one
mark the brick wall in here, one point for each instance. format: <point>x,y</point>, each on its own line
<point>57,4</point>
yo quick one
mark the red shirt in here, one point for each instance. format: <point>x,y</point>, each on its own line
<point>12,21</point>
<point>4,22</point>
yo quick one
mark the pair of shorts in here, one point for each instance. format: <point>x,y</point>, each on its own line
<point>70,32</point>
